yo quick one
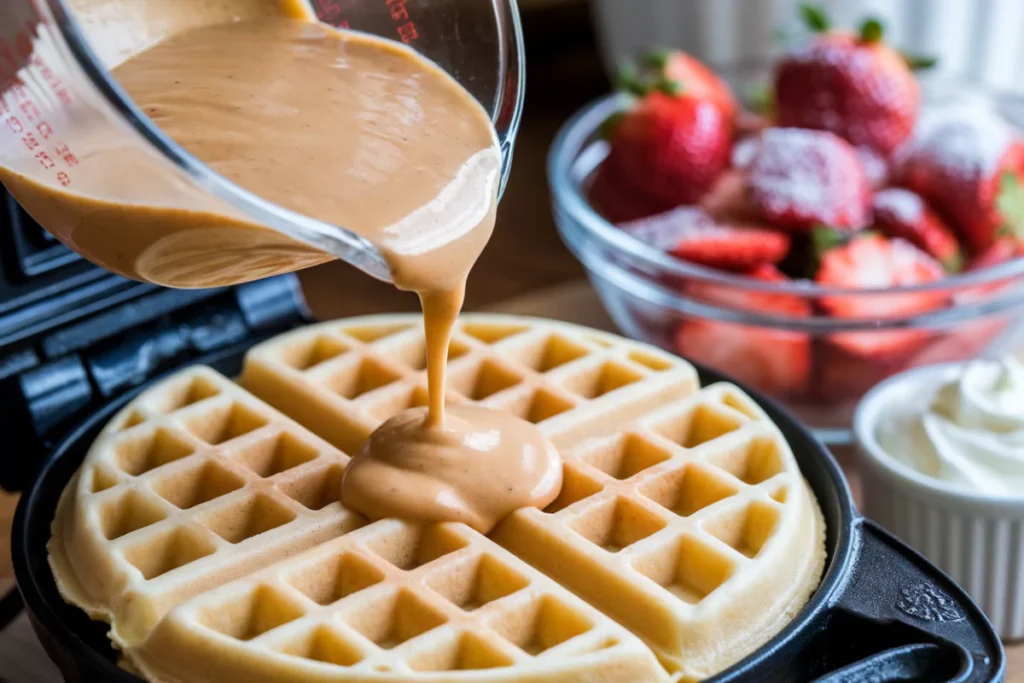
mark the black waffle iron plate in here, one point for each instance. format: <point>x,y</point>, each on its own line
<point>882,613</point>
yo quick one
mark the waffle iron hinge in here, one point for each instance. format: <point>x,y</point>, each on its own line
<point>78,367</point>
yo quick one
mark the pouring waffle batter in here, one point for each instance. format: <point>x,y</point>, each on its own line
<point>355,131</point>
<point>340,534</point>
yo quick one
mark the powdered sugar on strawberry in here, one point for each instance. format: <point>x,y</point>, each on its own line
<point>904,205</point>
<point>967,140</point>
<point>803,178</point>
<point>666,230</point>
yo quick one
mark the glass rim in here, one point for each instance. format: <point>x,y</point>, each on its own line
<point>333,239</point>
<point>577,137</point>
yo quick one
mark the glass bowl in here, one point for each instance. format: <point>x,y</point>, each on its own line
<point>806,361</point>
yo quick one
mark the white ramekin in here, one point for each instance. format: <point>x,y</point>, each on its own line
<point>978,540</point>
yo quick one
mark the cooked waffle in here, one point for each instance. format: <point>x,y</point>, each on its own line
<point>204,525</point>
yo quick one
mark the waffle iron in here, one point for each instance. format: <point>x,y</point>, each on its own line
<point>77,343</point>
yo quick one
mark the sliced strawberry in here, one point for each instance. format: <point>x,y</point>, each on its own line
<point>777,362</point>
<point>842,375</point>
<point>670,150</point>
<point>874,262</point>
<point>854,85</point>
<point>800,179</point>
<point>773,360</point>
<point>904,214</point>
<point>970,164</point>
<point>691,234</point>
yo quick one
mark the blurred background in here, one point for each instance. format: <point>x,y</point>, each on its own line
<point>973,39</point>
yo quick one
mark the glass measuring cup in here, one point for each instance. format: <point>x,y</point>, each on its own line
<point>58,102</point>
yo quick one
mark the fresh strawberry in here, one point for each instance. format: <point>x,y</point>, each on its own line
<point>616,201</point>
<point>774,360</point>
<point>800,179</point>
<point>692,235</point>
<point>669,150</point>
<point>871,261</point>
<point>970,164</point>
<point>677,73</point>
<point>904,214</point>
<point>854,85</point>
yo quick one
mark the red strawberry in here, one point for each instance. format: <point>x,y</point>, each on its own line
<point>970,164</point>
<point>692,235</point>
<point>670,150</point>
<point>616,201</point>
<point>855,86</point>
<point>873,262</point>
<point>800,179</point>
<point>902,213</point>
<point>773,360</point>
<point>677,73</point>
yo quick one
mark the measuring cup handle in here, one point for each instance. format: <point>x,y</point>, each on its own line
<point>898,618</point>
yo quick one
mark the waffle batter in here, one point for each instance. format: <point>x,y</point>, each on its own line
<point>352,130</point>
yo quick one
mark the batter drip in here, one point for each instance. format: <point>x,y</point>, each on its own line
<point>352,130</point>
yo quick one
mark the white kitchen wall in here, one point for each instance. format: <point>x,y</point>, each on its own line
<point>982,40</point>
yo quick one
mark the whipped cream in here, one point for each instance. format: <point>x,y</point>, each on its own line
<point>969,431</point>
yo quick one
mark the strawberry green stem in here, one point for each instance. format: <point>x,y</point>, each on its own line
<point>815,17</point>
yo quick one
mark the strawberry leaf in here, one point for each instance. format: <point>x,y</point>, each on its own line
<point>815,17</point>
<point>954,263</point>
<point>657,59</point>
<point>762,99</point>
<point>1010,204</point>
<point>919,62</point>
<point>826,238</point>
<point>627,80</point>
<point>871,31</point>
<point>669,86</point>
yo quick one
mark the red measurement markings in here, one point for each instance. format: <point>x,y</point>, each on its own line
<point>44,130</point>
<point>45,160</point>
<point>30,142</point>
<point>63,178</point>
<point>66,155</point>
<point>15,124</point>
<point>405,26</point>
<point>53,80</point>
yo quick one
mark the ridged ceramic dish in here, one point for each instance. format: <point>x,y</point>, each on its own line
<point>977,539</point>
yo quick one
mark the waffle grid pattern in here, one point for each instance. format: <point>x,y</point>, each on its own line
<point>401,598</point>
<point>214,524</point>
<point>657,522</point>
<point>343,380</point>
<point>189,477</point>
